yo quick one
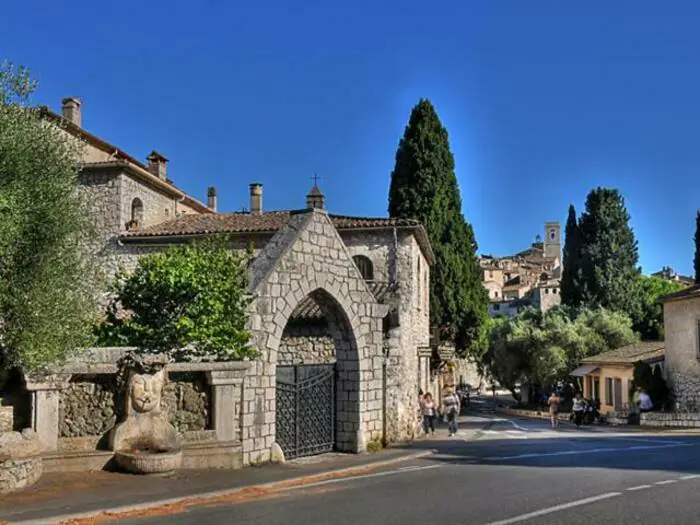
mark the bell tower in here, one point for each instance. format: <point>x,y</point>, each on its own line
<point>552,239</point>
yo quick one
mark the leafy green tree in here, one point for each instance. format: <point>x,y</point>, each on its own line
<point>188,302</point>
<point>48,281</point>
<point>570,293</point>
<point>609,253</point>
<point>541,348</point>
<point>696,260</point>
<point>424,187</point>
<point>648,318</point>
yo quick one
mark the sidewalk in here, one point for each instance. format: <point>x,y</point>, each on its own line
<point>58,495</point>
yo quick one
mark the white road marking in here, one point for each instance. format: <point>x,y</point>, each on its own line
<point>557,508</point>
<point>690,476</point>
<point>639,487</point>
<point>666,482</point>
<point>580,452</point>
<point>402,470</point>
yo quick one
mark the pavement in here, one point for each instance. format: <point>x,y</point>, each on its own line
<point>497,471</point>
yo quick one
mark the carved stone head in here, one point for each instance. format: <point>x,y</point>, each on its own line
<point>145,392</point>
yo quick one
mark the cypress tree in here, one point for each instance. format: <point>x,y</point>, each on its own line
<point>424,187</point>
<point>570,295</point>
<point>696,261</point>
<point>609,253</point>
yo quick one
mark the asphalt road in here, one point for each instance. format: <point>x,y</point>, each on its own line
<point>516,471</point>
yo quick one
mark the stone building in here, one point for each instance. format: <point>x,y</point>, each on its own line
<point>528,278</point>
<point>669,274</point>
<point>682,338</point>
<point>340,299</point>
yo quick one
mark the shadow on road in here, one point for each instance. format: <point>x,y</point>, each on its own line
<point>572,450</point>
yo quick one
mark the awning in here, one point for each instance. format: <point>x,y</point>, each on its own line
<point>584,370</point>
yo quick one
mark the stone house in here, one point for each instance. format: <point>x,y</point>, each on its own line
<point>682,335</point>
<point>341,299</point>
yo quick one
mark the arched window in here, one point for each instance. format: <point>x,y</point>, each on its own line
<point>137,211</point>
<point>365,266</point>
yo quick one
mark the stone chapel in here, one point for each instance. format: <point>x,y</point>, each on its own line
<point>341,301</point>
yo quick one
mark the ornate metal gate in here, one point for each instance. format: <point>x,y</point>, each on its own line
<point>305,409</point>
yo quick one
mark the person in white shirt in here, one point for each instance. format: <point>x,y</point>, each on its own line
<point>645,404</point>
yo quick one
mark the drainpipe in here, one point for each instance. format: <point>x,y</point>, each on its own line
<point>384,389</point>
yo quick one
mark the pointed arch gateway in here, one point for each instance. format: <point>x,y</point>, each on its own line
<point>317,379</point>
<point>314,319</point>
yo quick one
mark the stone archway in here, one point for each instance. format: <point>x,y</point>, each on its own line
<point>317,380</point>
<point>307,258</point>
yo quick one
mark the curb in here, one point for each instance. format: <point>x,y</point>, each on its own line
<point>202,498</point>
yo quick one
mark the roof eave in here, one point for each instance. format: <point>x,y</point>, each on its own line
<point>122,157</point>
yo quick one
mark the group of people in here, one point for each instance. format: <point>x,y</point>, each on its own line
<point>449,407</point>
<point>641,402</point>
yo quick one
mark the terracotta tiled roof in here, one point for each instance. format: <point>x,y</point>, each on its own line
<point>642,351</point>
<point>240,222</point>
<point>269,222</point>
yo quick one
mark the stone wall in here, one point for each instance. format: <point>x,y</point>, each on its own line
<point>307,343</point>
<point>156,206</point>
<point>682,366</point>
<point>670,419</point>
<point>87,407</point>
<point>188,400</point>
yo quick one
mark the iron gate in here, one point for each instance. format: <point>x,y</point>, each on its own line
<point>305,409</point>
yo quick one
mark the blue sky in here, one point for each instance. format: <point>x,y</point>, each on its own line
<point>543,100</point>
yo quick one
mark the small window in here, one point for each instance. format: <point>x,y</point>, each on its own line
<point>608,391</point>
<point>552,234</point>
<point>365,266</point>
<point>137,210</point>
<point>495,293</point>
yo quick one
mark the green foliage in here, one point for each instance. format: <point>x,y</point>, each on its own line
<point>696,260</point>
<point>571,261</point>
<point>648,316</point>
<point>424,187</point>
<point>542,348</point>
<point>48,281</point>
<point>609,253</point>
<point>188,302</point>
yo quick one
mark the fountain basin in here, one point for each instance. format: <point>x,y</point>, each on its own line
<point>149,461</point>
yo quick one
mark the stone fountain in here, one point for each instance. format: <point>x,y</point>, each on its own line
<point>145,442</point>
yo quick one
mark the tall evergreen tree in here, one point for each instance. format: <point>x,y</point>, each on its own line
<point>424,187</point>
<point>696,261</point>
<point>571,261</point>
<point>609,254</point>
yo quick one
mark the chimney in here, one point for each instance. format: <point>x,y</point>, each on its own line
<point>158,165</point>
<point>256,194</point>
<point>211,198</point>
<point>70,109</point>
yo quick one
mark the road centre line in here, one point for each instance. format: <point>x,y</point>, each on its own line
<point>585,501</point>
<point>588,451</point>
<point>556,508</point>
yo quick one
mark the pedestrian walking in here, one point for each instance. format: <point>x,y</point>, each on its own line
<point>645,402</point>
<point>428,411</point>
<point>553,403</point>
<point>578,407</point>
<point>450,408</point>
